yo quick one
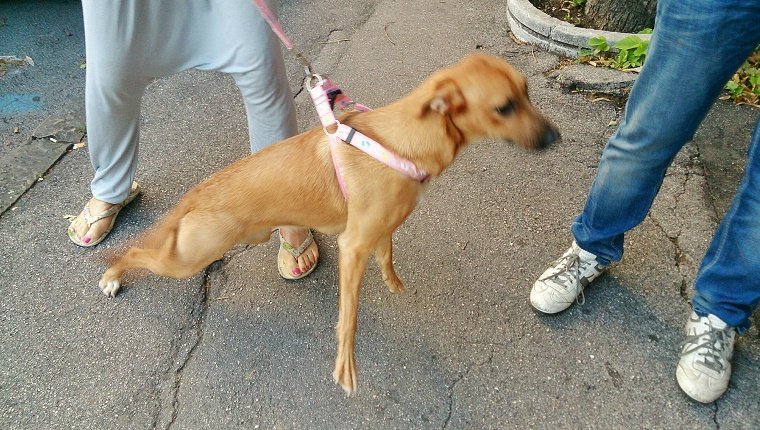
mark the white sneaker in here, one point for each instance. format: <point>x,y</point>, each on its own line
<point>562,283</point>
<point>705,367</point>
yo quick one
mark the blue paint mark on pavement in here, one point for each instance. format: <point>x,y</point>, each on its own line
<point>19,103</point>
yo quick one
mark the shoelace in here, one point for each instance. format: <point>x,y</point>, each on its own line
<point>714,345</point>
<point>569,272</point>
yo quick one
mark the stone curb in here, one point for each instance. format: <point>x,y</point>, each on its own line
<point>533,26</point>
<point>583,77</point>
<point>27,163</point>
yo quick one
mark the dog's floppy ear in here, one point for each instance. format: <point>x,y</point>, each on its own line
<point>446,98</point>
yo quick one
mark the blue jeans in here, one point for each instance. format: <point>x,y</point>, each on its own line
<point>696,46</point>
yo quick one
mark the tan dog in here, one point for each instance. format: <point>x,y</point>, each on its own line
<point>481,97</point>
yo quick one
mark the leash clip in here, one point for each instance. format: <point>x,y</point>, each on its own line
<point>313,80</point>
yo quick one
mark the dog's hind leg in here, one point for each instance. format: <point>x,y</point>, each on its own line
<point>191,246</point>
<point>135,258</point>
<point>164,261</point>
<point>384,258</point>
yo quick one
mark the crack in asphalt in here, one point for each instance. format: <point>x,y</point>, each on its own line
<point>691,168</point>
<point>711,199</point>
<point>679,257</point>
<point>195,326</point>
<point>329,35</point>
<point>363,17</point>
<point>199,311</point>
<point>716,408</point>
<point>452,386</point>
<point>193,330</point>
<point>311,63</point>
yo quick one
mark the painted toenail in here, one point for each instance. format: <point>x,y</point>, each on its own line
<point>296,271</point>
<point>86,239</point>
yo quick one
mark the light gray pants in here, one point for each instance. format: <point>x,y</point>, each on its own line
<point>131,42</point>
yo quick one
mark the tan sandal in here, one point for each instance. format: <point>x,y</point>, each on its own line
<point>295,252</point>
<point>92,219</point>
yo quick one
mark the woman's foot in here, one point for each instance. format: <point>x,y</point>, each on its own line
<point>79,231</point>
<point>298,254</point>
<point>96,220</point>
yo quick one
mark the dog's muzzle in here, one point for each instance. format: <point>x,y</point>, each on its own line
<point>550,136</point>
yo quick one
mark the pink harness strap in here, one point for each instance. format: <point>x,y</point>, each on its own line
<point>380,153</point>
<point>323,102</point>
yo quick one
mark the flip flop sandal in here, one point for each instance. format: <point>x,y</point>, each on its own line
<point>92,219</point>
<point>295,252</point>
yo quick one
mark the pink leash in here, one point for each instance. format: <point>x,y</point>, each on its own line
<point>276,27</point>
<point>326,96</point>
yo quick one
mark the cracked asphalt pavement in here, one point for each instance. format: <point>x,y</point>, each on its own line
<point>238,347</point>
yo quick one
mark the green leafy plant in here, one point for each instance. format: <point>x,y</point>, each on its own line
<point>744,86</point>
<point>742,89</point>
<point>631,52</point>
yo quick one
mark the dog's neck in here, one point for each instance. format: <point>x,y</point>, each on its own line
<point>431,141</point>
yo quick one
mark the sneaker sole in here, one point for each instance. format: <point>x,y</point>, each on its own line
<point>543,312</point>
<point>692,399</point>
<point>540,311</point>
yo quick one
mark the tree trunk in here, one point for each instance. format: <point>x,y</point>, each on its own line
<point>626,16</point>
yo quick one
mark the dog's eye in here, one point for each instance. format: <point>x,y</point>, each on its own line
<point>507,109</point>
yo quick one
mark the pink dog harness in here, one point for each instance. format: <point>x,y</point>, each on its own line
<point>325,96</point>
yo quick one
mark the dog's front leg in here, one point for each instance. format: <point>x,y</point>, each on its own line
<point>354,252</point>
<point>384,258</point>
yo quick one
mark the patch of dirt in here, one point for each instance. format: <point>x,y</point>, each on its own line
<point>565,10</point>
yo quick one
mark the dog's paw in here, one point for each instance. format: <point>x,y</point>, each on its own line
<point>345,373</point>
<point>394,284</point>
<point>109,287</point>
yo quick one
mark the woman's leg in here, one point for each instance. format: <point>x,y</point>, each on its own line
<point>240,42</point>
<point>114,88</point>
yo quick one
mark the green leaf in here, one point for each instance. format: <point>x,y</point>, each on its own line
<point>630,42</point>
<point>732,85</point>
<point>734,89</point>
<point>599,43</point>
<point>646,31</point>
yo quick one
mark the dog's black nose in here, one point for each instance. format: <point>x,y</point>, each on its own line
<point>551,135</point>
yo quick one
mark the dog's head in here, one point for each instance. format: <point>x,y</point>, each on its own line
<point>484,97</point>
